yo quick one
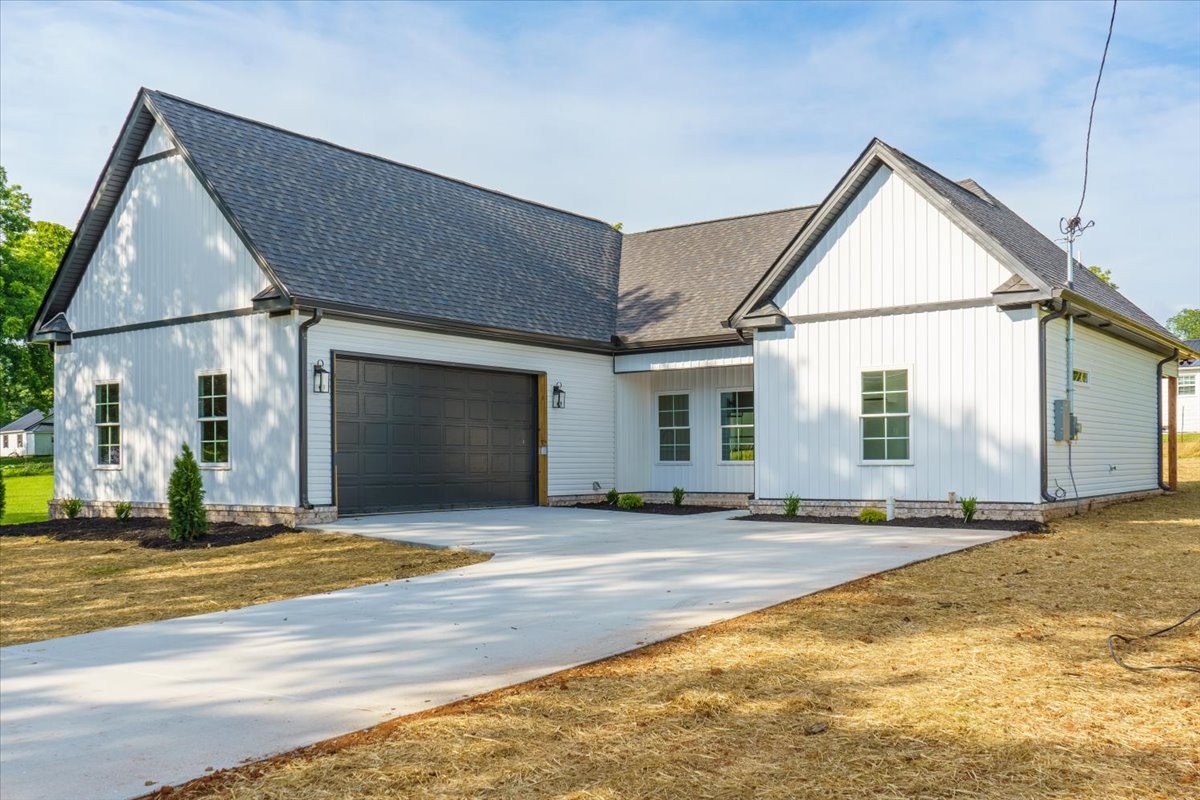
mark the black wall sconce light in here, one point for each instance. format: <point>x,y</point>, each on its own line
<point>560,396</point>
<point>320,377</point>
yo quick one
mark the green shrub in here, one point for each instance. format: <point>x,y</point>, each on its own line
<point>3,495</point>
<point>185,499</point>
<point>791,505</point>
<point>630,501</point>
<point>677,495</point>
<point>872,516</point>
<point>29,466</point>
<point>72,505</point>
<point>612,496</point>
<point>124,509</point>
<point>968,508</point>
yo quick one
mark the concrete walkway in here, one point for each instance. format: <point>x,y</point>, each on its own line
<point>106,714</point>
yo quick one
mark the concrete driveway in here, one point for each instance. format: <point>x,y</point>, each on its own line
<point>107,713</point>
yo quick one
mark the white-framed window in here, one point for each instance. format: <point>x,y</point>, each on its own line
<point>674,428</point>
<point>6,440</point>
<point>1187,385</point>
<point>885,416</point>
<point>20,440</point>
<point>108,424</point>
<point>213,396</point>
<point>737,425</point>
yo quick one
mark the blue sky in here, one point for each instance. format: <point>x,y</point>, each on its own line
<point>657,114</point>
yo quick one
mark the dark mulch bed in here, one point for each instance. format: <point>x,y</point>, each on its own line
<point>1020,526</point>
<point>146,531</point>
<point>657,508</point>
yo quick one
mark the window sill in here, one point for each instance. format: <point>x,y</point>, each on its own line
<point>216,467</point>
<point>672,463</point>
<point>906,463</point>
<point>735,463</point>
<point>107,467</point>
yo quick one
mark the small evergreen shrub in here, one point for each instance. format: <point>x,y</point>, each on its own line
<point>612,496</point>
<point>791,505</point>
<point>677,495</point>
<point>629,502</point>
<point>871,516</point>
<point>968,508</point>
<point>72,506</point>
<point>185,499</point>
<point>124,509</point>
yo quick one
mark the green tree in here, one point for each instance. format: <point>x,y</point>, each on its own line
<point>29,254</point>
<point>1185,324</point>
<point>185,499</point>
<point>1104,275</point>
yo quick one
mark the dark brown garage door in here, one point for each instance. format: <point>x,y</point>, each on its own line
<point>419,436</point>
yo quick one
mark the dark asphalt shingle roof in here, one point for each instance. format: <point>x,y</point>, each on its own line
<point>1025,243</point>
<point>345,227</point>
<point>684,281</point>
<point>24,423</point>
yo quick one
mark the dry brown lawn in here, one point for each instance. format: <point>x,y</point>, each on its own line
<point>982,674</point>
<point>54,588</point>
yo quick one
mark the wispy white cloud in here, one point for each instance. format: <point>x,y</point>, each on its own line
<point>662,114</point>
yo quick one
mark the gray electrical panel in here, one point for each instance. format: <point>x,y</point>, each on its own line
<point>1060,408</point>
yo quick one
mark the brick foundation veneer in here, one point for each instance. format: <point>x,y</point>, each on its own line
<point>1038,512</point>
<point>244,515</point>
<point>716,499</point>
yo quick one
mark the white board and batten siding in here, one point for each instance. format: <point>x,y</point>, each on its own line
<point>638,465</point>
<point>167,252</point>
<point>581,435</point>
<point>1187,399</point>
<point>157,370</point>
<point>973,383</point>
<point>890,247</point>
<point>158,141</point>
<point>1117,449</point>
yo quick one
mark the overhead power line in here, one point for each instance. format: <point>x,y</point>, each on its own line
<point>1074,225</point>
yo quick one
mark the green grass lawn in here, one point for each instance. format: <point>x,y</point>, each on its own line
<point>26,498</point>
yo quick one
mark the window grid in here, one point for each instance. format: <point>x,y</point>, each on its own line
<point>108,424</point>
<point>885,416</point>
<point>737,426</point>
<point>1187,385</point>
<point>674,428</point>
<point>213,396</point>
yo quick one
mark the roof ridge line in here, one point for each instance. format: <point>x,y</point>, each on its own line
<point>723,219</point>
<point>375,157</point>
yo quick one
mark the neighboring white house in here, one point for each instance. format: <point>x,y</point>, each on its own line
<point>29,435</point>
<point>1187,405</point>
<point>333,332</point>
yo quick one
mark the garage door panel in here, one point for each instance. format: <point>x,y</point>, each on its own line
<point>404,406</point>
<point>347,433</point>
<point>403,374</point>
<point>374,405</point>
<point>374,372</point>
<point>428,436</point>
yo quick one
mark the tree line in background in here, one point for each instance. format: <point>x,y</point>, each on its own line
<point>29,254</point>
